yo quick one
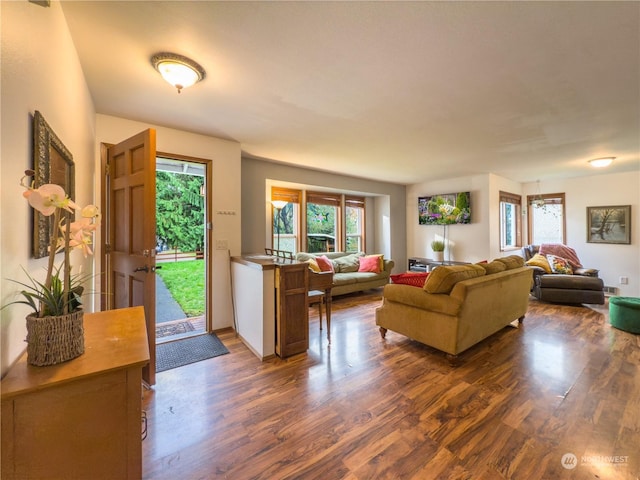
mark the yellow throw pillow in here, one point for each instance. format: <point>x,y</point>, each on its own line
<point>442,279</point>
<point>313,265</point>
<point>539,261</point>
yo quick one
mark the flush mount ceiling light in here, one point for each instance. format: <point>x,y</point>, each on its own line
<point>601,162</point>
<point>180,72</point>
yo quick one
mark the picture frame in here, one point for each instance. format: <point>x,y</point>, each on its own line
<point>52,163</point>
<point>609,224</point>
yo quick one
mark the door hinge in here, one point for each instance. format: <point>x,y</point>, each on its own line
<point>107,248</point>
<point>107,169</point>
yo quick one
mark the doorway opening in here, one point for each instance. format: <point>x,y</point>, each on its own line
<point>182,249</point>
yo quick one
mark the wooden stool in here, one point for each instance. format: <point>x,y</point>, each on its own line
<point>317,296</point>
<point>319,291</point>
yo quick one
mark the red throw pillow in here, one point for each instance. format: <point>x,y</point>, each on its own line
<point>324,263</point>
<point>369,264</point>
<point>415,279</point>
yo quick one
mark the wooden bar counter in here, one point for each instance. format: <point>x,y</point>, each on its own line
<point>81,418</point>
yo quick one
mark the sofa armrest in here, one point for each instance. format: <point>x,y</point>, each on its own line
<point>388,265</point>
<point>586,272</point>
<point>418,298</point>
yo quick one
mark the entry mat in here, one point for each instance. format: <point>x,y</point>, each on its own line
<point>189,350</point>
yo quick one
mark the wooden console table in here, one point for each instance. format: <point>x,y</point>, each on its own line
<point>81,418</point>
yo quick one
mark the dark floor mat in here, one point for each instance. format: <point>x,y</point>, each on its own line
<point>189,350</point>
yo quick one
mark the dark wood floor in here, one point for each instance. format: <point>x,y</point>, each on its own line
<point>565,382</point>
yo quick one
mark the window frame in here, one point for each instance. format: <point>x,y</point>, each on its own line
<point>290,196</point>
<point>300,199</point>
<point>516,200</point>
<point>549,199</point>
<point>329,200</point>
<point>355,203</point>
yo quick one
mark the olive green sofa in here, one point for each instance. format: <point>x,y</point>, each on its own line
<point>458,306</point>
<point>346,278</point>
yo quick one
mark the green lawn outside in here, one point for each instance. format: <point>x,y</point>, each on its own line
<point>186,282</point>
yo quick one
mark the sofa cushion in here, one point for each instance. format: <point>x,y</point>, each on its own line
<point>492,267</point>
<point>415,279</point>
<point>559,265</point>
<point>346,264</point>
<point>539,261</point>
<point>570,282</point>
<point>325,264</point>
<point>313,265</point>
<point>442,279</point>
<point>346,278</point>
<point>370,263</point>
<point>512,261</point>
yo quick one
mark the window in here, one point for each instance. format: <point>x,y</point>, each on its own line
<point>510,221</point>
<point>323,220</point>
<point>334,222</point>
<point>354,223</point>
<point>546,218</point>
<point>285,225</point>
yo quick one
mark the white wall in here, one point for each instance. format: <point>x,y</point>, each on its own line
<point>613,260</point>
<point>480,240</point>
<point>225,156</point>
<point>469,242</point>
<point>40,71</point>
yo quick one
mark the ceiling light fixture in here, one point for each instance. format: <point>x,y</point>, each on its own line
<point>601,162</point>
<point>180,72</point>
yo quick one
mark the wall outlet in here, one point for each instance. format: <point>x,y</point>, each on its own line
<point>222,245</point>
<point>624,280</point>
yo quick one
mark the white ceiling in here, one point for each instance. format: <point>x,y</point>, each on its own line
<point>397,91</point>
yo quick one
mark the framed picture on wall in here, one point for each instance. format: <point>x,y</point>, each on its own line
<point>611,224</point>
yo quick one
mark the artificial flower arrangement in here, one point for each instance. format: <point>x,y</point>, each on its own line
<point>60,293</point>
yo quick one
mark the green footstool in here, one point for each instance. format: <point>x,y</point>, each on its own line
<point>624,313</point>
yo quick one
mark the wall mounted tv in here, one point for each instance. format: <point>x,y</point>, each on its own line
<point>445,209</point>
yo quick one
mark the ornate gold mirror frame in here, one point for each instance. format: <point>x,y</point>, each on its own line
<point>52,163</point>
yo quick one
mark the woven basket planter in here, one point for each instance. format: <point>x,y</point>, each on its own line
<point>52,340</point>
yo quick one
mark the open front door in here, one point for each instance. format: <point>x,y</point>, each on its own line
<point>130,232</point>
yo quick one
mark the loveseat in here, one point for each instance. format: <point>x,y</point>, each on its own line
<point>564,281</point>
<point>459,305</point>
<point>347,278</point>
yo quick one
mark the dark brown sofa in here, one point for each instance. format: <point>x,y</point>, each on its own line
<point>584,286</point>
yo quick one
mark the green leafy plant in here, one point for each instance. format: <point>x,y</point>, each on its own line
<point>437,246</point>
<point>60,293</point>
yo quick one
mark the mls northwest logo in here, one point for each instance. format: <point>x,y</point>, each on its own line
<point>569,461</point>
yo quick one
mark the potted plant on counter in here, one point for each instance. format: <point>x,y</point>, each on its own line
<point>437,246</point>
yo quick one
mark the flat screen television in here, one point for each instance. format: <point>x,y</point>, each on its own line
<point>445,209</point>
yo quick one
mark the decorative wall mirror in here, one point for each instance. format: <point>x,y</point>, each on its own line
<point>52,163</point>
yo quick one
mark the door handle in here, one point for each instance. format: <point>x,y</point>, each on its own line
<point>142,269</point>
<point>156,267</point>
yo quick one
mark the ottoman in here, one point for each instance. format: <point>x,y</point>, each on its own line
<point>624,313</point>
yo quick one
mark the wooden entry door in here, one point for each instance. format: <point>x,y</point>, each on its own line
<point>130,232</point>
